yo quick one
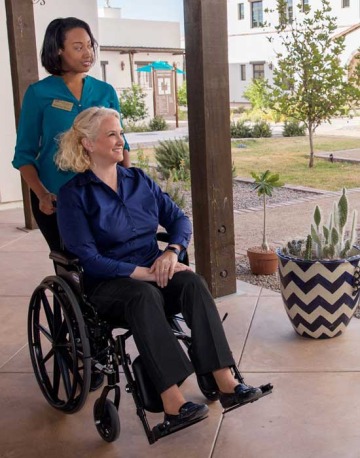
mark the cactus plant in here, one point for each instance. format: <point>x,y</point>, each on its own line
<point>329,241</point>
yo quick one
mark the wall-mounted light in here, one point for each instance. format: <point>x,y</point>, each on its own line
<point>122,65</point>
<point>271,65</point>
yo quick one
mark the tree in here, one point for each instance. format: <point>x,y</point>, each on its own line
<point>182,95</point>
<point>132,103</point>
<point>310,84</point>
<point>257,94</point>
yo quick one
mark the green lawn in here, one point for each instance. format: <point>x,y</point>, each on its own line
<point>290,158</point>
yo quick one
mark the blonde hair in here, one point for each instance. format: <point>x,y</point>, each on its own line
<point>71,154</point>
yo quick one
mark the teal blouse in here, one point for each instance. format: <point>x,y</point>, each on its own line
<point>48,109</point>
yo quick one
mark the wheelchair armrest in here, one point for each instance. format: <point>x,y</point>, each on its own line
<point>162,237</point>
<point>66,259</point>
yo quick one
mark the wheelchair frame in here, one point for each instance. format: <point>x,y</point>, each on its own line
<point>68,341</point>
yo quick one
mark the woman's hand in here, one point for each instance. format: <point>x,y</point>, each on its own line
<point>165,267</point>
<point>46,203</point>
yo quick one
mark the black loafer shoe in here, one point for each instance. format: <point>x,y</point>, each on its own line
<point>97,379</point>
<point>188,413</point>
<point>242,394</point>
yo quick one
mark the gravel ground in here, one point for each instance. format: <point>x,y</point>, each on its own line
<point>245,198</point>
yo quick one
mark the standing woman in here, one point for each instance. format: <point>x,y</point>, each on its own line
<point>50,107</point>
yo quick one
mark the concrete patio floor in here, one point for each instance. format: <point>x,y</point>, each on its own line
<point>314,410</point>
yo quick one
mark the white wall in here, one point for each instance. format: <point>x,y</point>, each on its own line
<point>82,9</point>
<point>10,185</point>
<point>10,188</point>
<point>133,32</point>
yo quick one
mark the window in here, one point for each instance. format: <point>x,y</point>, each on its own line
<point>345,3</point>
<point>286,12</point>
<point>256,14</point>
<point>243,72</point>
<point>241,11</point>
<point>258,71</point>
<point>103,64</point>
<point>305,5</point>
<point>290,10</point>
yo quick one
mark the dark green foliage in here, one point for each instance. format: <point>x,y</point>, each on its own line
<point>173,159</point>
<point>240,129</point>
<point>132,103</point>
<point>261,129</point>
<point>294,129</point>
<point>158,123</point>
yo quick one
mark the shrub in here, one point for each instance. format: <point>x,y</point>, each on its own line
<point>257,94</point>
<point>294,129</point>
<point>158,123</point>
<point>132,103</point>
<point>175,192</point>
<point>261,129</point>
<point>182,95</point>
<point>142,161</point>
<point>240,129</point>
<point>173,159</point>
<point>135,127</point>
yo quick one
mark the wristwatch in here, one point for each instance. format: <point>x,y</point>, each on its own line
<point>173,249</point>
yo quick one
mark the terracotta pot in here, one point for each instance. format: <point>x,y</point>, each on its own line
<point>320,297</point>
<point>262,262</point>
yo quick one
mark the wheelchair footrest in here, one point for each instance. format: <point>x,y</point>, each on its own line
<point>265,390</point>
<point>164,429</point>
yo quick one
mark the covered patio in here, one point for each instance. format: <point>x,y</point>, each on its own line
<point>313,411</point>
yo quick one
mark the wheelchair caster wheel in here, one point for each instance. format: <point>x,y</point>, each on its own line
<point>107,422</point>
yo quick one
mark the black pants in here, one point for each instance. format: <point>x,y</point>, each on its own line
<point>47,224</point>
<point>143,307</point>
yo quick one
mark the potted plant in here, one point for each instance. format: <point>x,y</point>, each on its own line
<point>263,259</point>
<point>319,275</point>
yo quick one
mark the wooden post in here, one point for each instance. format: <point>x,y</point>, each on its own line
<point>176,95</point>
<point>131,61</point>
<point>24,68</point>
<point>154,80</point>
<point>209,138</point>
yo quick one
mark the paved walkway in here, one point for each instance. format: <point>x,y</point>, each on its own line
<point>313,411</point>
<point>340,127</point>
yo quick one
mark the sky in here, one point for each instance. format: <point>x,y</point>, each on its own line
<point>163,10</point>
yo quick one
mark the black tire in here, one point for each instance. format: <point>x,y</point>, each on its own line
<point>108,422</point>
<point>58,345</point>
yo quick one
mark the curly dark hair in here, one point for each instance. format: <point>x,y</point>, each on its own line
<point>54,41</point>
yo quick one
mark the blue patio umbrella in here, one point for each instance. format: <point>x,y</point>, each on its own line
<point>158,65</point>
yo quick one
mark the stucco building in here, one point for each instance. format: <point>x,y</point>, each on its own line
<point>251,55</point>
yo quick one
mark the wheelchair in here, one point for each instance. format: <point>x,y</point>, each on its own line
<point>68,341</point>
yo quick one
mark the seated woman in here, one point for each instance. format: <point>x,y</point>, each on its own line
<point>108,217</point>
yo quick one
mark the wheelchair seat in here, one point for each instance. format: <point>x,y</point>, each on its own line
<point>68,340</point>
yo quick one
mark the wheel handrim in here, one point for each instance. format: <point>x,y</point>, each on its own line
<point>59,348</point>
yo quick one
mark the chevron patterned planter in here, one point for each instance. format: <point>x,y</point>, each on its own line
<point>320,297</point>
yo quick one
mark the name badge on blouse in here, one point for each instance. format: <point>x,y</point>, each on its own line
<point>62,105</point>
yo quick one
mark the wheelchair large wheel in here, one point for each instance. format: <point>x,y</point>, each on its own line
<point>58,344</point>
<point>107,422</point>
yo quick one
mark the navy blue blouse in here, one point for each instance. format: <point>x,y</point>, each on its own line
<point>113,233</point>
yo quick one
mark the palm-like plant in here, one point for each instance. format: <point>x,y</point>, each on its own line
<point>264,184</point>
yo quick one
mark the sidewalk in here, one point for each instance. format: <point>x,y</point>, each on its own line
<point>340,127</point>
<point>313,411</point>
